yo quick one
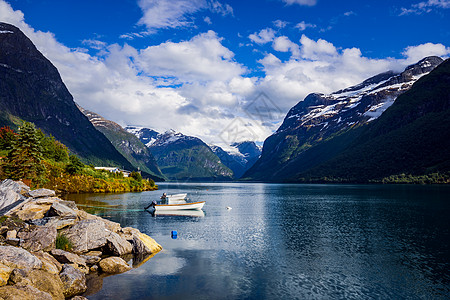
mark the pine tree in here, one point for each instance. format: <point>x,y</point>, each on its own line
<point>24,161</point>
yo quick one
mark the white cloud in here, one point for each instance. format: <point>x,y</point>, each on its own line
<point>263,37</point>
<point>425,7</point>
<point>416,53</point>
<point>94,44</point>
<point>280,24</point>
<point>219,8</point>
<point>301,2</point>
<point>159,14</point>
<point>284,44</point>
<point>315,50</point>
<point>207,20</point>
<point>203,58</point>
<point>303,26</point>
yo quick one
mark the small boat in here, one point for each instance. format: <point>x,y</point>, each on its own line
<point>178,206</point>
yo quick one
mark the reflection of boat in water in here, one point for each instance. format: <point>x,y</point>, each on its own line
<point>182,213</point>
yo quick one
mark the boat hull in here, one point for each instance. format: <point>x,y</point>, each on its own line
<point>181,206</point>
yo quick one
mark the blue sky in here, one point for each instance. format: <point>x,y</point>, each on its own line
<point>196,65</point>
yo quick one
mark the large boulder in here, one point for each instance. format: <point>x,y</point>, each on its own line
<point>117,245</point>
<point>110,225</point>
<point>37,238</point>
<point>61,210</point>
<point>11,192</point>
<point>65,257</point>
<point>114,264</point>
<point>60,223</point>
<point>74,281</point>
<point>86,235</point>
<point>23,292</point>
<point>40,193</point>
<point>5,271</point>
<point>143,244</point>
<point>49,263</point>
<point>31,211</point>
<point>15,257</point>
<point>46,282</point>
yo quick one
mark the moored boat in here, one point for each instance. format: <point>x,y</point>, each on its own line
<point>179,206</point>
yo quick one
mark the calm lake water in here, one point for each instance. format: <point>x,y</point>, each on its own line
<point>287,242</point>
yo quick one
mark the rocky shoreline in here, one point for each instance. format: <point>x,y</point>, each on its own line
<point>33,224</point>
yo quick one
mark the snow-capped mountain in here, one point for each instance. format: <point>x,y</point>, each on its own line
<point>358,104</point>
<point>146,135</point>
<point>239,157</point>
<point>321,117</point>
<point>182,157</point>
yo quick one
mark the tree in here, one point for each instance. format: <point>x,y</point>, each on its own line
<point>7,137</point>
<point>75,166</point>
<point>24,161</point>
<point>136,176</point>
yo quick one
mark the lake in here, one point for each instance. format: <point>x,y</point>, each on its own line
<point>283,241</point>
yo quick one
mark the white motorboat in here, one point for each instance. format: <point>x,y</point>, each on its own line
<point>178,206</point>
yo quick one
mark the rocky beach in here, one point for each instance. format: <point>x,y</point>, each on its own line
<point>50,249</point>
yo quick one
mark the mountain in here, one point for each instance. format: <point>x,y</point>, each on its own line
<point>183,157</point>
<point>145,135</point>
<point>322,126</point>
<point>127,144</point>
<point>412,137</point>
<point>31,89</point>
<point>239,158</point>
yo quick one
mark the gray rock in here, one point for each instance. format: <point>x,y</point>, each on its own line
<point>86,235</point>
<point>38,238</point>
<point>74,281</point>
<point>40,193</point>
<point>54,221</point>
<point>11,192</point>
<point>12,234</point>
<point>114,264</point>
<point>117,245</point>
<point>90,259</point>
<point>49,263</point>
<point>14,257</point>
<point>47,282</point>
<point>13,242</point>
<point>61,210</point>
<point>18,275</point>
<point>23,292</point>
<point>70,204</point>
<point>65,257</point>
<point>78,298</point>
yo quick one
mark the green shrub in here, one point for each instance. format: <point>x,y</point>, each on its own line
<point>63,243</point>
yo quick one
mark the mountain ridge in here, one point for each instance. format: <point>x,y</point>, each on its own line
<point>31,89</point>
<point>320,117</point>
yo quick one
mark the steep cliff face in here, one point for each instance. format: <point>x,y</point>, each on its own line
<point>127,144</point>
<point>31,89</point>
<point>319,118</point>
